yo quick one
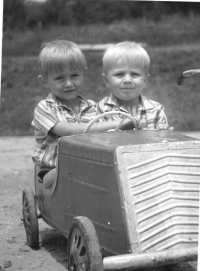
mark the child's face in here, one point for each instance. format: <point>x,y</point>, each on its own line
<point>126,80</point>
<point>65,84</point>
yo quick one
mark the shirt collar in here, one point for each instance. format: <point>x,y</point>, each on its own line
<point>52,99</point>
<point>84,103</point>
<point>112,100</point>
<point>144,103</point>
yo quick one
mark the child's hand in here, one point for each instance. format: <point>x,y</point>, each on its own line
<point>162,126</point>
<point>127,125</point>
<point>162,123</point>
<point>111,130</point>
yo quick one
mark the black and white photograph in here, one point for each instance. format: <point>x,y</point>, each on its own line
<point>99,135</point>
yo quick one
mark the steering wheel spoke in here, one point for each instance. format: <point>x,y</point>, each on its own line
<point>119,125</point>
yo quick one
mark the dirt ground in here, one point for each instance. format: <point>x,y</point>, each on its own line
<point>17,173</point>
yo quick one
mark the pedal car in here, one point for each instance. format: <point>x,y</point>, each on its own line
<point>124,199</point>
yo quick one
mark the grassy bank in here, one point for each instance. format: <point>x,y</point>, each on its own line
<point>173,46</point>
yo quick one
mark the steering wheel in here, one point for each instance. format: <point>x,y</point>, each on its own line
<point>127,116</point>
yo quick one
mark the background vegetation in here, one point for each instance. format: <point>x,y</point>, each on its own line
<point>168,30</point>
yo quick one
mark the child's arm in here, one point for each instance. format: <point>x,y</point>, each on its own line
<point>162,123</point>
<point>63,128</point>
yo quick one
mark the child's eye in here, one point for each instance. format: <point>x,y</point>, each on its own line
<point>59,78</point>
<point>75,75</point>
<point>119,74</point>
<point>134,74</point>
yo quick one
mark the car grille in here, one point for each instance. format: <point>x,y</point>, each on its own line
<point>165,201</point>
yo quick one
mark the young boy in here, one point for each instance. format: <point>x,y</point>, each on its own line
<point>64,111</point>
<point>126,73</point>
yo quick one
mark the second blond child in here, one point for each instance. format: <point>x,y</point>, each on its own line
<point>126,74</point>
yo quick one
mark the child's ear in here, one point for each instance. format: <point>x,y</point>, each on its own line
<point>42,81</point>
<point>105,79</point>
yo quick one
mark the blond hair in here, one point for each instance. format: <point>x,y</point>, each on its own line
<point>59,53</point>
<point>128,52</point>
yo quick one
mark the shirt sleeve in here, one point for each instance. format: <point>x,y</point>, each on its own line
<point>100,108</point>
<point>161,116</point>
<point>44,117</point>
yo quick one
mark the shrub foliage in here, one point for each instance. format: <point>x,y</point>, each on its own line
<point>23,14</point>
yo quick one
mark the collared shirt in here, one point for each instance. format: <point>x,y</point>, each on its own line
<point>49,112</point>
<point>148,113</point>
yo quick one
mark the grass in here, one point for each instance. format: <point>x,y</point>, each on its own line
<point>173,45</point>
<point>173,30</point>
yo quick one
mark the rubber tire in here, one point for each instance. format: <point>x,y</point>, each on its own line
<point>83,249</point>
<point>29,213</point>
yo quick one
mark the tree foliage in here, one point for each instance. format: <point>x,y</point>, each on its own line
<point>25,14</point>
<point>14,14</point>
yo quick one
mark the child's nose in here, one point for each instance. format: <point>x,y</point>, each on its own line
<point>127,78</point>
<point>68,82</point>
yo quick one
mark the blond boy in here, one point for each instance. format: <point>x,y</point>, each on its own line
<point>126,74</point>
<point>64,111</point>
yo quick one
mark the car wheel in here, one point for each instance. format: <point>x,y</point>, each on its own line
<point>83,251</point>
<point>30,219</point>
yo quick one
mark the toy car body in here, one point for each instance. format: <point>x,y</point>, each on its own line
<point>140,190</point>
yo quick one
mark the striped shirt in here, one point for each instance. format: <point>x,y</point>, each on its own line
<point>49,112</point>
<point>148,113</point>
